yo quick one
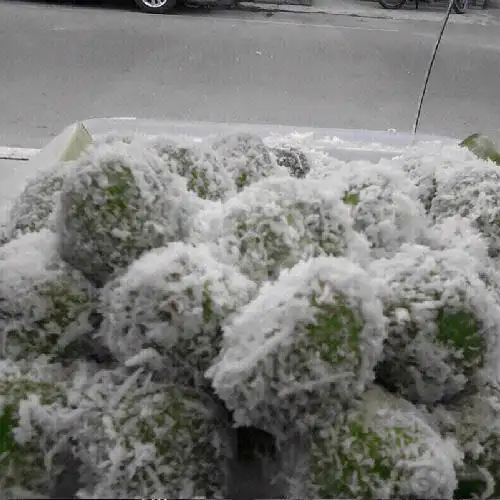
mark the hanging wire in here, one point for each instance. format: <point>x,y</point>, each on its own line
<point>429,68</point>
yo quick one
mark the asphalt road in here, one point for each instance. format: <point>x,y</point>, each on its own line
<point>61,62</point>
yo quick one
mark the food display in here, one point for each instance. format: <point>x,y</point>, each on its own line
<point>160,296</point>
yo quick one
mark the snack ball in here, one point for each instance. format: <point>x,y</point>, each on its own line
<point>384,205</point>
<point>30,398</point>
<point>33,210</point>
<point>117,204</point>
<point>471,190</point>
<point>275,223</point>
<point>203,170</point>
<point>443,323</point>
<point>383,448</point>
<point>170,306</point>
<point>302,349</point>
<point>247,159</point>
<point>141,439</point>
<point>45,305</point>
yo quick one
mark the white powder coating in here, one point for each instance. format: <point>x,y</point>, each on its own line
<point>34,208</point>
<point>173,301</point>
<point>199,164</point>
<point>276,368</point>
<point>247,159</point>
<point>274,223</point>
<point>444,323</point>
<point>383,448</point>
<point>44,303</point>
<point>118,203</point>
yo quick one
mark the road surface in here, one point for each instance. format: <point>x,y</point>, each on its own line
<point>63,62</point>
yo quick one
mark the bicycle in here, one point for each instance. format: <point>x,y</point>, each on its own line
<point>459,6</point>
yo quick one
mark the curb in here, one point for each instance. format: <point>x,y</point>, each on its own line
<point>19,154</point>
<point>301,9</point>
<point>271,9</point>
<point>296,9</point>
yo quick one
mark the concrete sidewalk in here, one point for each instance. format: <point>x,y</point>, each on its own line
<point>372,9</point>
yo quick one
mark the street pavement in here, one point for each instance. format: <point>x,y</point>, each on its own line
<point>63,62</point>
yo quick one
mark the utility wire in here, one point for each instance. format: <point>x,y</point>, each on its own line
<point>429,68</point>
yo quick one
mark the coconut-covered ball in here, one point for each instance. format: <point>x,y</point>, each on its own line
<point>247,159</point>
<point>141,439</point>
<point>302,349</point>
<point>168,308</point>
<point>117,204</point>
<point>203,170</point>
<point>383,448</point>
<point>33,209</point>
<point>477,429</point>
<point>471,190</point>
<point>45,305</point>
<point>30,398</point>
<point>425,162</point>
<point>444,323</point>
<point>483,147</point>
<point>384,205</point>
<point>294,160</point>
<point>277,222</point>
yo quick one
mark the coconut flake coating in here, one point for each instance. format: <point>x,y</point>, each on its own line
<point>444,323</point>
<point>460,233</point>
<point>247,159</point>
<point>202,168</point>
<point>471,190</point>
<point>30,398</point>
<point>382,448</point>
<point>384,205</point>
<point>277,222</point>
<point>33,210</point>
<point>422,163</point>
<point>303,348</point>
<point>45,305</point>
<point>169,306</point>
<point>117,204</point>
<point>476,425</point>
<point>140,439</point>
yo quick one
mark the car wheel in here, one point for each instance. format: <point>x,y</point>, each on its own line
<point>156,6</point>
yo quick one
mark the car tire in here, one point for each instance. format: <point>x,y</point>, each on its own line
<point>156,6</point>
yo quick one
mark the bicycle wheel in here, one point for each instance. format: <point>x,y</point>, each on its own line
<point>460,6</point>
<point>392,4</point>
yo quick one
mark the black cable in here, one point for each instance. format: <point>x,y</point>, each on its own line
<point>429,69</point>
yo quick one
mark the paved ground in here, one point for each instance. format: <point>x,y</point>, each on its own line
<point>61,62</point>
